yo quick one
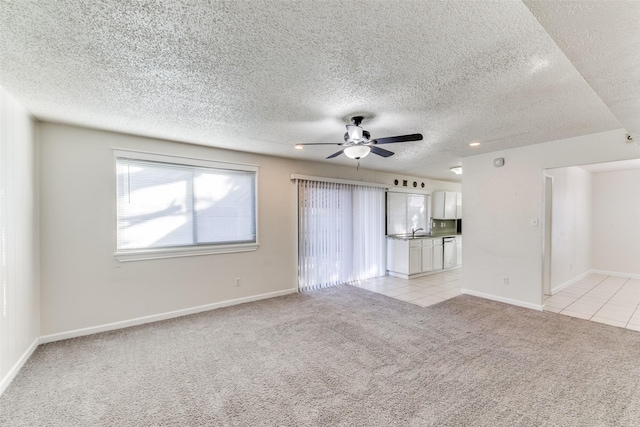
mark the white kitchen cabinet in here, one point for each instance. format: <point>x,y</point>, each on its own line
<point>458,251</point>
<point>437,204</point>
<point>450,205</point>
<point>412,257</point>
<point>438,255</point>
<point>415,258</point>
<point>427,255</point>
<point>446,205</point>
<point>398,257</point>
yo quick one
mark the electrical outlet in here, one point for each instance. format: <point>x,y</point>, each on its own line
<point>505,281</point>
<point>237,281</point>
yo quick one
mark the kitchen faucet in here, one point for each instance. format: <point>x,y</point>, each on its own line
<point>413,232</point>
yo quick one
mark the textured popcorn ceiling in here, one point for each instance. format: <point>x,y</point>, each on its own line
<point>602,40</point>
<point>260,76</point>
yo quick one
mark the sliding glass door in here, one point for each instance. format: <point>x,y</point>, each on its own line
<point>341,233</point>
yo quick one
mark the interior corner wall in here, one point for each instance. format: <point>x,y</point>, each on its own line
<point>616,231</point>
<point>84,286</point>
<point>19,287</point>
<point>571,224</point>
<point>499,240</point>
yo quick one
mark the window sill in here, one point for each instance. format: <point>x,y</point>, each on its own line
<point>147,254</point>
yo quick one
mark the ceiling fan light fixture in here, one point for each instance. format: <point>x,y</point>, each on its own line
<point>358,143</point>
<point>357,152</point>
<point>457,170</point>
<point>355,132</point>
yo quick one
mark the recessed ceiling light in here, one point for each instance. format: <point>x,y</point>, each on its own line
<point>457,170</point>
<point>474,144</point>
<point>298,147</point>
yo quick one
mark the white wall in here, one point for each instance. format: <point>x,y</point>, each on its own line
<point>616,218</point>
<point>500,202</point>
<point>84,286</point>
<point>571,224</point>
<point>430,185</point>
<point>19,289</point>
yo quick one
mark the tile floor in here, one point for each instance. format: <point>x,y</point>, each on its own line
<point>422,291</point>
<point>606,299</point>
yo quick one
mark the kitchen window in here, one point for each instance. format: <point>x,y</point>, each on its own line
<point>407,212</point>
<point>173,206</point>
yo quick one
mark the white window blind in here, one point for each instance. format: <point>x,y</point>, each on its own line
<point>167,205</point>
<point>407,212</point>
<point>417,212</point>
<point>341,230</point>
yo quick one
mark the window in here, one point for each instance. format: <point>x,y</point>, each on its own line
<point>407,212</point>
<point>172,206</point>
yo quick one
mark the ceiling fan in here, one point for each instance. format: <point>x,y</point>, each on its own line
<point>358,144</point>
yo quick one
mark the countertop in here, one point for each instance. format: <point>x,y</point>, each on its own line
<point>423,236</point>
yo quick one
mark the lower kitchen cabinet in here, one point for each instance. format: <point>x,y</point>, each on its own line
<point>413,257</point>
<point>415,260</point>
<point>427,257</point>
<point>438,255</point>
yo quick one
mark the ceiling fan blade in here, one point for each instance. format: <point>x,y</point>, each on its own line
<point>320,143</point>
<point>381,152</point>
<point>335,154</point>
<point>401,138</point>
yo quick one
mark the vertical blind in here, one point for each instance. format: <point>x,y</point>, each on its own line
<point>341,229</point>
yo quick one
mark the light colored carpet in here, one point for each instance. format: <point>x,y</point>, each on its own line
<point>338,357</point>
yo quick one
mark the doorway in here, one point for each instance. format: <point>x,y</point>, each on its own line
<point>591,212</point>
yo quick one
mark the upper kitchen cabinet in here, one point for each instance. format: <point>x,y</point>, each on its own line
<point>446,205</point>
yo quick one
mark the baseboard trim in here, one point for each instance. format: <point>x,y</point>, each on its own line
<point>516,302</point>
<point>616,273</point>
<point>8,378</point>
<point>589,272</point>
<point>157,317</point>
<point>570,282</point>
<point>426,273</point>
<point>4,382</point>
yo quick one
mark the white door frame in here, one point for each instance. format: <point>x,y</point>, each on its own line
<point>547,223</point>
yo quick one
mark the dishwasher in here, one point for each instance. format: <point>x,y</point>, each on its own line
<point>450,255</point>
